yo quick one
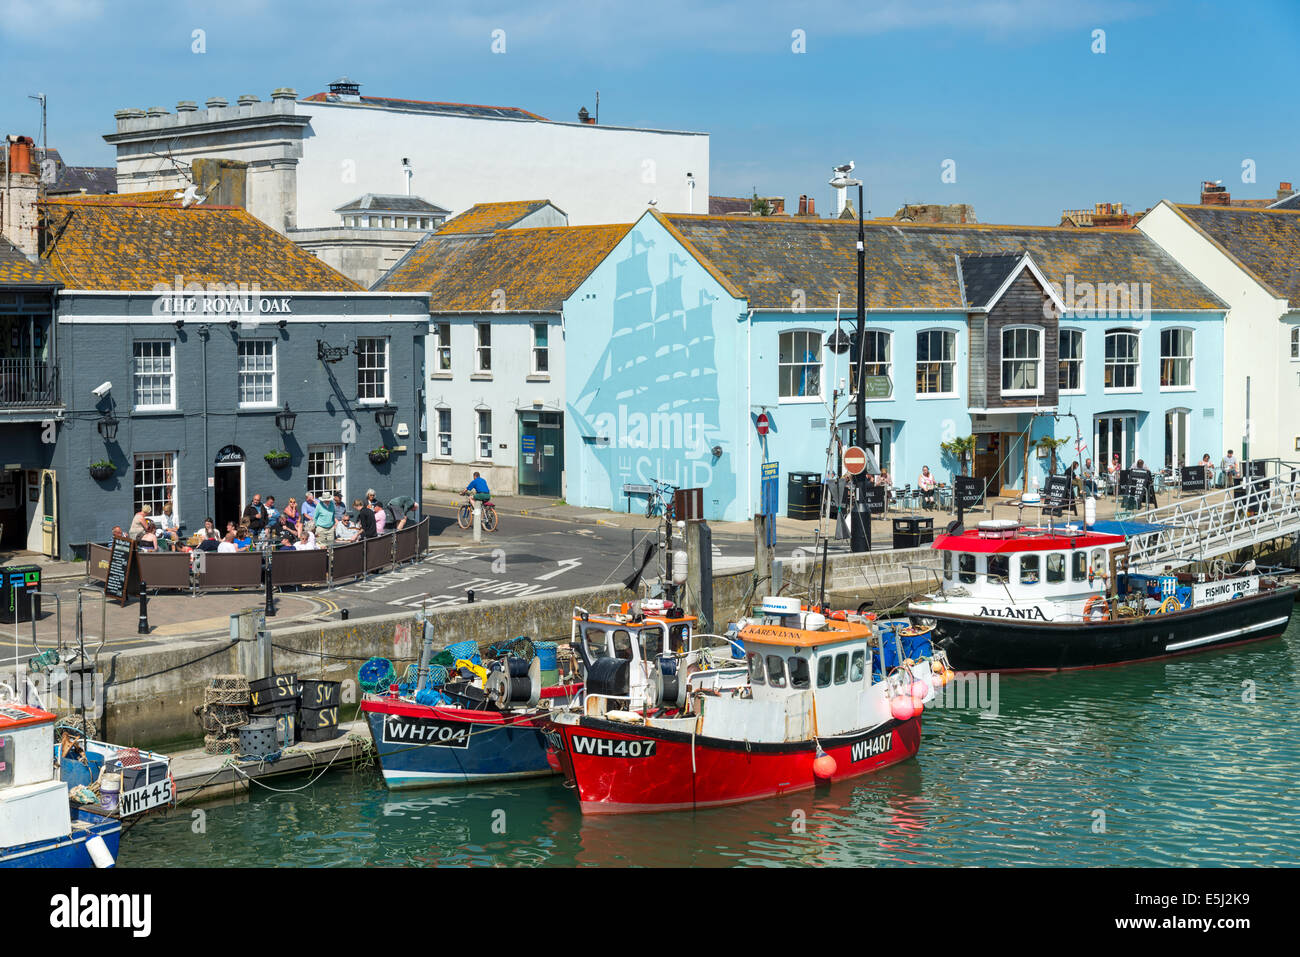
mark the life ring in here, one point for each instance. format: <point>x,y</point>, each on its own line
<point>1170,605</point>
<point>1096,601</point>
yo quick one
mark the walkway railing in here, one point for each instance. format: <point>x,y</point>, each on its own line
<point>1198,529</point>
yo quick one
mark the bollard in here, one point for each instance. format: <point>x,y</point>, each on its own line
<point>343,614</point>
<point>478,520</point>
<point>143,627</point>
<point>469,596</point>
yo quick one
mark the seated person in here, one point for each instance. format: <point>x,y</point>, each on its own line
<point>228,544</point>
<point>148,539</point>
<point>306,540</point>
<point>243,538</point>
<point>926,482</point>
<point>166,525</point>
<point>209,542</point>
<point>347,531</point>
<point>287,543</point>
<point>478,488</point>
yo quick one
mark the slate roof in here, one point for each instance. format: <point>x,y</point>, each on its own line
<point>984,273</point>
<point>723,205</point>
<point>537,269</point>
<point>913,265</point>
<point>489,217</point>
<point>1266,242</point>
<point>426,106</point>
<point>383,203</point>
<point>87,179</point>
<point>1289,202</point>
<point>17,270</point>
<point>105,243</point>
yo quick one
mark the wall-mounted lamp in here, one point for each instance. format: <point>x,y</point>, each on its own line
<point>107,426</point>
<point>282,324</point>
<point>180,324</point>
<point>384,416</point>
<point>286,419</point>
<point>232,325</point>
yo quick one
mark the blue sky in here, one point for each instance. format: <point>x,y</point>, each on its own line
<point>1009,90</point>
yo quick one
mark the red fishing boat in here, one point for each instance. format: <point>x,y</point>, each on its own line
<point>671,720</point>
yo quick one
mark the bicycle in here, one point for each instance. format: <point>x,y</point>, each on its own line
<point>660,499</point>
<point>465,515</point>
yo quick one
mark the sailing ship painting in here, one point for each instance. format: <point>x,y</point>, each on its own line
<point>650,408</point>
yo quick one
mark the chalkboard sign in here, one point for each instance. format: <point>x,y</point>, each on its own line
<point>875,499</point>
<point>123,575</point>
<point>967,491</point>
<point>1057,492</point>
<point>1191,478</point>
<point>1136,484</point>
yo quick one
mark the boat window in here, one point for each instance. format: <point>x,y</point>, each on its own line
<point>756,669</point>
<point>652,640</point>
<point>1099,564</point>
<point>947,566</point>
<point>1055,568</point>
<point>824,665</point>
<point>776,671</point>
<point>622,645</point>
<point>1080,573</point>
<point>1029,569</point>
<point>966,565</point>
<point>999,569</point>
<point>841,668</point>
<point>596,643</point>
<point>678,636</point>
<point>799,677</point>
<point>859,666</point>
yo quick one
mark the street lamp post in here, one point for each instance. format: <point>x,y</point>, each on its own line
<point>860,530</point>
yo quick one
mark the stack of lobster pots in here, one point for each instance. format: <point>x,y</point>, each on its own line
<point>277,697</point>
<point>318,714</point>
<point>224,712</point>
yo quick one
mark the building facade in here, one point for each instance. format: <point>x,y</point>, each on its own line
<point>693,326</point>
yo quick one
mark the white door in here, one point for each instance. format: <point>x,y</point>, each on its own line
<point>1177,437</point>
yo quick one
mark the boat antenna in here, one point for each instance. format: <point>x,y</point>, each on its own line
<point>825,543</point>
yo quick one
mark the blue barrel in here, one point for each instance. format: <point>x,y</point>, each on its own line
<point>917,647</point>
<point>547,655</point>
<point>888,646</point>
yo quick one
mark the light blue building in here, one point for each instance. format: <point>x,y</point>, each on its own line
<point>694,325</point>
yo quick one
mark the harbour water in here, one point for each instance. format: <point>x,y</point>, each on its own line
<point>1191,761</point>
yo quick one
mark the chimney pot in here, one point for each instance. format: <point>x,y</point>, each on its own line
<point>186,106</point>
<point>125,114</point>
<point>803,205</point>
<point>157,111</point>
<point>248,99</point>
<point>812,206</point>
<point>216,102</point>
<point>284,93</point>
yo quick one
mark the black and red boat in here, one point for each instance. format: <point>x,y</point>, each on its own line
<point>1046,599</point>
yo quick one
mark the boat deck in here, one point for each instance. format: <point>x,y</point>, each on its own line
<point>199,775</point>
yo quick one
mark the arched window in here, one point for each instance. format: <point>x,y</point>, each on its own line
<point>800,364</point>
<point>1070,357</point>
<point>1122,359</point>
<point>1175,358</point>
<point>936,362</point>
<point>1022,361</point>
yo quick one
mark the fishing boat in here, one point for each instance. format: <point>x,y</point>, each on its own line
<point>41,822</point>
<point>468,720</point>
<point>1015,597</point>
<point>792,697</point>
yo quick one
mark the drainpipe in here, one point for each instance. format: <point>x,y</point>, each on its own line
<point>207,489</point>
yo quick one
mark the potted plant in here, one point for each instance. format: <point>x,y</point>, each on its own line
<point>380,455</point>
<point>961,449</point>
<point>278,459</point>
<point>102,469</point>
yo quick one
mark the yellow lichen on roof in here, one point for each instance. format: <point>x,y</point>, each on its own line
<point>489,217</point>
<point>1263,242</point>
<point>105,246</point>
<point>154,197</point>
<point>17,270</point>
<point>512,270</point>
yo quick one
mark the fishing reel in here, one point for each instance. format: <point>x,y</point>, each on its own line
<point>667,688</point>
<point>514,681</point>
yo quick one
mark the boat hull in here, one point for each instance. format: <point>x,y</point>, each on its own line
<point>420,746</point>
<point>66,852</point>
<point>983,644</point>
<point>618,768</point>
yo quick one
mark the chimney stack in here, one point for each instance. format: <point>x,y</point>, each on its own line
<point>18,196</point>
<point>1212,194</point>
<point>224,181</point>
<point>216,103</point>
<point>812,206</point>
<point>186,106</point>
<point>1284,190</point>
<point>803,205</point>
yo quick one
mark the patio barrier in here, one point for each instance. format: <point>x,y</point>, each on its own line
<point>321,568</point>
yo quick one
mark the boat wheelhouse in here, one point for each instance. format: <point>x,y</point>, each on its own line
<point>674,721</point>
<point>1013,597</point>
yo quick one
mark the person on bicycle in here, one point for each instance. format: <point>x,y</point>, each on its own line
<point>478,488</point>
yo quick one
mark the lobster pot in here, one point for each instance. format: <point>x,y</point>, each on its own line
<point>221,743</point>
<point>227,690</point>
<point>258,737</point>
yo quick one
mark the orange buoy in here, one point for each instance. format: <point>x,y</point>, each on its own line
<point>823,765</point>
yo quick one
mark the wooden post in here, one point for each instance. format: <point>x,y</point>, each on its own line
<point>763,556</point>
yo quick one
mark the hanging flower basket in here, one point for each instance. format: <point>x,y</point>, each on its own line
<point>102,470</point>
<point>278,460</point>
<point>379,456</point>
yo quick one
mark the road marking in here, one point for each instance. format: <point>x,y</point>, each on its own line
<point>568,564</point>
<point>410,599</point>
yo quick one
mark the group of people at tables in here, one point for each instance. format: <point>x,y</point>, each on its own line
<point>1229,472</point>
<point>316,523</point>
<point>927,484</point>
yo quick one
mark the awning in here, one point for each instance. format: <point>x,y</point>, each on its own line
<point>1127,529</point>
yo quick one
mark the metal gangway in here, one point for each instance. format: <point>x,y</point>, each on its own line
<point>1257,510</point>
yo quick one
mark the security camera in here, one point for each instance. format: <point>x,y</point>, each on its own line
<point>102,390</point>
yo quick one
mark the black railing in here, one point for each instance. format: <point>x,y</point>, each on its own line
<point>26,383</point>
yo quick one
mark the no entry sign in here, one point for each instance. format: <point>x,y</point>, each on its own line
<point>855,460</point>
<point>761,423</point>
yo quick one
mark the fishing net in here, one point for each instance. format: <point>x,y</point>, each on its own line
<point>376,675</point>
<point>227,689</point>
<point>221,744</point>
<point>462,649</point>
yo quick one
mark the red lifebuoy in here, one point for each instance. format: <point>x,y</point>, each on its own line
<point>1094,602</point>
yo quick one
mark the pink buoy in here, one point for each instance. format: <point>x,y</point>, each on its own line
<point>902,708</point>
<point>824,765</point>
<point>919,690</point>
